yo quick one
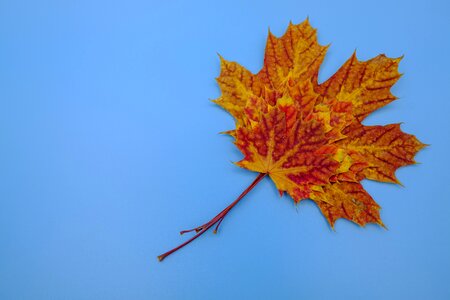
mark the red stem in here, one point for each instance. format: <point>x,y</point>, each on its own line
<point>203,228</point>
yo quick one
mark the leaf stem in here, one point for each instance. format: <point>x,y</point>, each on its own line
<point>219,218</point>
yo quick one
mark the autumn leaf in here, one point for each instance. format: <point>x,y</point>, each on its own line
<point>308,137</point>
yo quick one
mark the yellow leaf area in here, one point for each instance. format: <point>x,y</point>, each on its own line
<point>307,136</point>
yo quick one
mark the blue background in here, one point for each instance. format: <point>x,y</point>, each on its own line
<point>109,147</point>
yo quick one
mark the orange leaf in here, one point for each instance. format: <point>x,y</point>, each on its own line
<point>307,136</point>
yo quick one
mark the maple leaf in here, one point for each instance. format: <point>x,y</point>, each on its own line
<point>308,137</point>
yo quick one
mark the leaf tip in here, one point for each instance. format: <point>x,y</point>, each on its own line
<point>229,132</point>
<point>399,183</point>
<point>382,224</point>
<point>307,20</point>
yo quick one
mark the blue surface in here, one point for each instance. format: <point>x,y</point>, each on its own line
<point>109,147</point>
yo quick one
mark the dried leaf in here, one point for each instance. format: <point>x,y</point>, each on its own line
<point>308,137</point>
